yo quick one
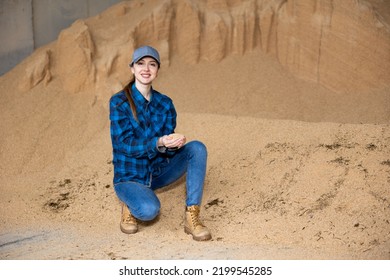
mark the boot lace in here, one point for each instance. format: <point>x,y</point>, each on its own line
<point>130,219</point>
<point>127,217</point>
<point>194,212</point>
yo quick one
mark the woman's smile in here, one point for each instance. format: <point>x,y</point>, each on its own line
<point>145,70</point>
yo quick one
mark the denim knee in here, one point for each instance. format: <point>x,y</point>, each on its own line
<point>198,148</point>
<point>147,211</point>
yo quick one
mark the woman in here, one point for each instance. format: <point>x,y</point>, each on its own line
<point>147,154</point>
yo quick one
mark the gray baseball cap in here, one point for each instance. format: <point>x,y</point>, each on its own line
<point>145,51</point>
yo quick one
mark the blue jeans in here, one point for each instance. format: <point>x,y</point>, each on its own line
<point>191,160</point>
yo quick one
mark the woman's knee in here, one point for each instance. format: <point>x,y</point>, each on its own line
<point>142,201</point>
<point>147,211</point>
<point>198,148</point>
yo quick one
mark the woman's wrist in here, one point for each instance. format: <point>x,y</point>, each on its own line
<point>160,142</point>
<point>160,145</point>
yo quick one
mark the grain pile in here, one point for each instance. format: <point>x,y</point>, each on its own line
<point>290,97</point>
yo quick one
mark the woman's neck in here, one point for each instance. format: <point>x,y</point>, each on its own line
<point>145,90</point>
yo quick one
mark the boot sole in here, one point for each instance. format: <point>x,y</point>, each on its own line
<point>128,231</point>
<point>200,238</point>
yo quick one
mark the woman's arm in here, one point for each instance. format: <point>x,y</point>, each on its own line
<point>123,136</point>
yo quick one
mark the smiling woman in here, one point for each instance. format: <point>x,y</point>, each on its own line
<point>145,71</point>
<point>148,154</point>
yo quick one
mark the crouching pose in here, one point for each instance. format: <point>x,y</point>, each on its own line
<point>148,154</point>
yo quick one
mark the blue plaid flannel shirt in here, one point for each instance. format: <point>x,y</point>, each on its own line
<point>135,152</point>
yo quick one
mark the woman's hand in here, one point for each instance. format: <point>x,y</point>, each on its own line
<point>173,141</point>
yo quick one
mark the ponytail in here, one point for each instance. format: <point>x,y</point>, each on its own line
<point>129,95</point>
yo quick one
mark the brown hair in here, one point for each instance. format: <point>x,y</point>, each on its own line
<point>129,95</point>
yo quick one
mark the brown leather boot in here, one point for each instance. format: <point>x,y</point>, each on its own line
<point>128,222</point>
<point>193,226</point>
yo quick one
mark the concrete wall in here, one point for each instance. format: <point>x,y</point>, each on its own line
<point>16,32</point>
<point>28,24</point>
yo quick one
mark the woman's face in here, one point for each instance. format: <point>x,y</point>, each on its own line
<point>145,70</point>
